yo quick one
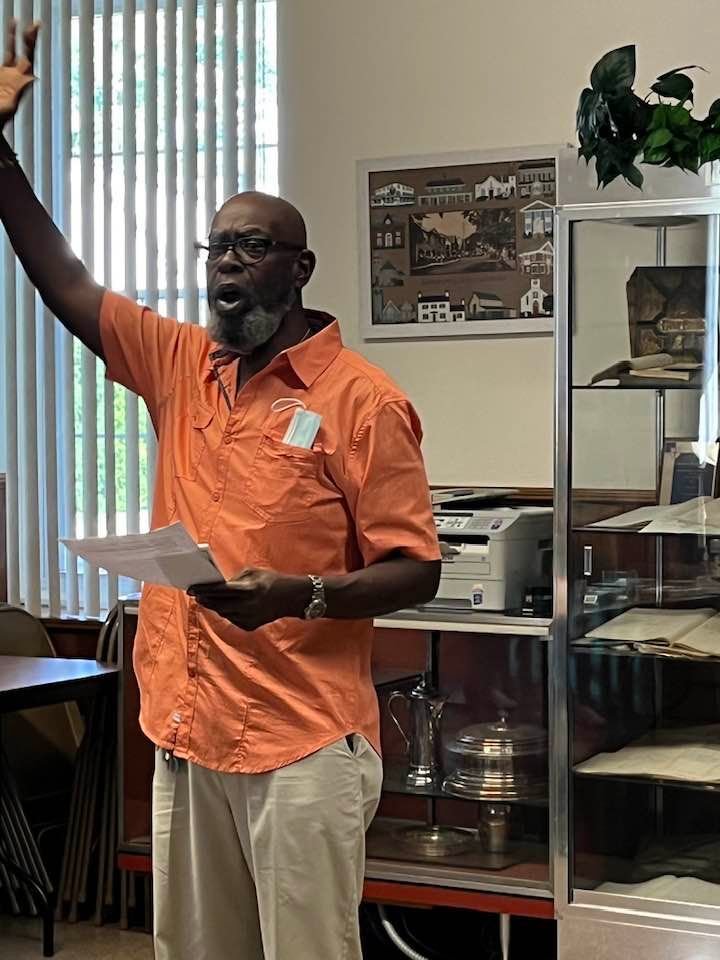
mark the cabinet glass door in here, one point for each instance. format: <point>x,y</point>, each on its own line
<point>644,561</point>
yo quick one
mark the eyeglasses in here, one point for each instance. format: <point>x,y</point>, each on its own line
<point>246,249</point>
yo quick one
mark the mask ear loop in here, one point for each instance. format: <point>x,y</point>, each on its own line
<point>287,403</point>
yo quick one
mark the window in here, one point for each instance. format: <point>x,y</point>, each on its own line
<point>178,102</point>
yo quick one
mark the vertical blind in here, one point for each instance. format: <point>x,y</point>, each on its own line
<point>146,115</point>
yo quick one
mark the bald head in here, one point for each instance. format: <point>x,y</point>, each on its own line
<point>254,288</point>
<point>273,216</point>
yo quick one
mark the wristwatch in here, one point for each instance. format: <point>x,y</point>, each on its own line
<point>317,606</point>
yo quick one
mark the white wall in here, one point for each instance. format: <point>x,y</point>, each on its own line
<point>382,78</point>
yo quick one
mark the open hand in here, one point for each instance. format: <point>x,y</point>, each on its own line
<point>255,597</point>
<point>16,74</point>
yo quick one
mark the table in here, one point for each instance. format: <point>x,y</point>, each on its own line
<point>27,682</point>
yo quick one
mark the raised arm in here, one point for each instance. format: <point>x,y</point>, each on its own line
<point>62,280</point>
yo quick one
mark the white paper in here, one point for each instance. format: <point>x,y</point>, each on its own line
<point>643,624</point>
<point>704,639</point>
<point>669,518</point>
<point>678,889</point>
<point>691,754</point>
<point>699,516</point>
<point>634,518</point>
<point>168,556</point>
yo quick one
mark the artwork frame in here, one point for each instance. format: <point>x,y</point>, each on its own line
<point>682,477</point>
<point>486,243</point>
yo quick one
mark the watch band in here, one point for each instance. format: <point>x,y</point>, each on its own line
<point>316,608</point>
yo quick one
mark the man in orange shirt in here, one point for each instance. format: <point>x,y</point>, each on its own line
<point>299,463</point>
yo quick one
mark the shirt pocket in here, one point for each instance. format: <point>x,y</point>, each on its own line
<point>283,483</point>
<point>191,440</point>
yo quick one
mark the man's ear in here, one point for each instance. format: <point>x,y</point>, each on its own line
<point>304,268</point>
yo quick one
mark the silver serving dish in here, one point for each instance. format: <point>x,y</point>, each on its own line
<point>498,761</point>
<point>435,841</point>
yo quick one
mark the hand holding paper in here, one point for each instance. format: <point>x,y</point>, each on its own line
<point>168,557</point>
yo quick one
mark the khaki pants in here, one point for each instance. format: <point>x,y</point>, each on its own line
<point>263,866</point>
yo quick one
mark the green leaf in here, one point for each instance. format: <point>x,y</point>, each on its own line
<point>615,71</point>
<point>710,147</point>
<point>677,86</point>
<point>692,66</point>
<point>660,112</point>
<point>591,114</point>
<point>657,155</point>
<point>658,138</point>
<point>714,110</point>
<point>678,116</point>
<point>633,176</point>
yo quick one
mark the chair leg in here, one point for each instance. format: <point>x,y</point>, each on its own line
<point>124,879</point>
<point>505,936</point>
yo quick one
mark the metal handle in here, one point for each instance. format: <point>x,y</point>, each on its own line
<point>393,696</point>
<point>587,561</point>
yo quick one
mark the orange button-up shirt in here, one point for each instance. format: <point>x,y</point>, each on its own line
<point>239,701</point>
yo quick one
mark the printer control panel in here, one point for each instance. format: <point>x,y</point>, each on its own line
<point>469,523</point>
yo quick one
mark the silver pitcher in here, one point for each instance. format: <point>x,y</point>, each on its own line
<point>425,708</point>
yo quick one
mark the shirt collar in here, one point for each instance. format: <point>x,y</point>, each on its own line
<point>313,356</point>
<point>308,359</point>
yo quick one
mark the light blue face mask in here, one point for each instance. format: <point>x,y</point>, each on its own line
<point>303,429</point>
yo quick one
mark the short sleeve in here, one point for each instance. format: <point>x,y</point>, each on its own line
<point>388,487</point>
<point>144,351</point>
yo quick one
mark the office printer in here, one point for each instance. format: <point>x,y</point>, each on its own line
<point>491,556</point>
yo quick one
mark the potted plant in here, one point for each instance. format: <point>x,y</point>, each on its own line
<point>617,128</point>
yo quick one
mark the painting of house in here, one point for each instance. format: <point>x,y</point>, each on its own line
<point>450,191</point>
<point>488,306</point>
<point>391,313</point>
<point>537,219</point>
<point>387,275</point>
<point>496,188</point>
<point>457,312</point>
<point>377,305</point>
<point>408,313</point>
<point>536,178</point>
<point>393,195</point>
<point>532,303</point>
<point>389,234</point>
<point>454,247</point>
<point>538,262</point>
<point>434,308</point>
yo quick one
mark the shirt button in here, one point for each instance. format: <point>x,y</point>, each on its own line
<point>216,497</point>
<point>177,718</point>
<point>227,440</point>
<point>192,672</point>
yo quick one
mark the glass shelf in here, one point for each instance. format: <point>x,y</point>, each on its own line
<point>651,385</point>
<point>649,781</point>
<point>608,649</point>
<point>394,781</point>
<point>634,532</point>
<point>390,677</point>
<point>524,862</point>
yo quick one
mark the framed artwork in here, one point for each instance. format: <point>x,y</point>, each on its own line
<point>682,476</point>
<point>458,244</point>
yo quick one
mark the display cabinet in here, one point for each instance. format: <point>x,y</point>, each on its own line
<point>465,793</point>
<point>636,663</point>
<point>464,815</point>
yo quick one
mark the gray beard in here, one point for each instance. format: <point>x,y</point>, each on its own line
<point>244,333</point>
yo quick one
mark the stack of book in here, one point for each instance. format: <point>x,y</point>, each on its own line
<point>659,366</point>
